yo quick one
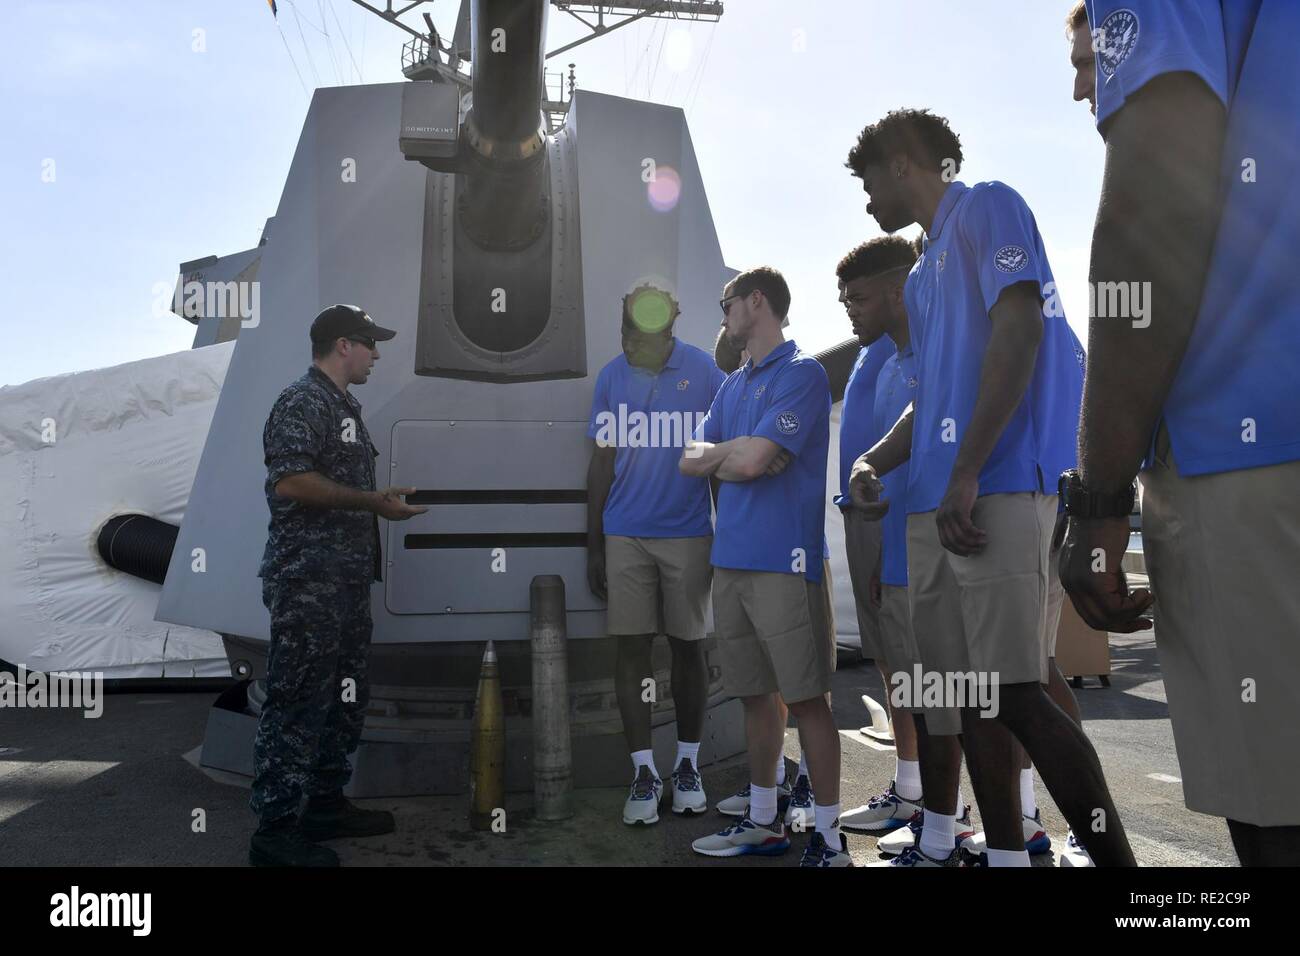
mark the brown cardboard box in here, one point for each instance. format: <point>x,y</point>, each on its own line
<point>1080,651</point>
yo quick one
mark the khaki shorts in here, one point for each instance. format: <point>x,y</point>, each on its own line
<point>862,548</point>
<point>1222,551</point>
<point>650,575</point>
<point>774,633</point>
<point>897,640</point>
<point>985,614</point>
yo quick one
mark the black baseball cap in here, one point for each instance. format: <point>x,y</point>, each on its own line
<point>345,321</point>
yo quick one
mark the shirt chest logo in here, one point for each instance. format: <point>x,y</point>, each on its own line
<point>758,392</point>
<point>787,423</point>
<point>943,256</point>
<point>1115,40</point>
<point>1010,259</point>
<point>683,385</point>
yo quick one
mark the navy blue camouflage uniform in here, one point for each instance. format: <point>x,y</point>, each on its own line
<point>316,576</point>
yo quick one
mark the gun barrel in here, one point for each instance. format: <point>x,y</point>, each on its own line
<point>504,205</point>
<point>508,38</point>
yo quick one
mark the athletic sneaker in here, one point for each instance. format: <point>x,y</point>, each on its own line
<point>736,804</point>
<point>819,853</point>
<point>887,811</point>
<point>909,836</point>
<point>801,804</point>
<point>745,837</point>
<point>642,804</point>
<point>913,856</point>
<point>1036,838</point>
<point>688,790</point>
<point>1074,855</point>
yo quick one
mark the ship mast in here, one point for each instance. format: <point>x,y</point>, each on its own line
<point>429,56</point>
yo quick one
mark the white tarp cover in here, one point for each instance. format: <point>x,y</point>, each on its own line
<point>125,439</point>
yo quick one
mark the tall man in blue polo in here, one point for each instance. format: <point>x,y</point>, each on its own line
<point>766,439</point>
<point>649,535</point>
<point>993,421</point>
<point>1199,104</point>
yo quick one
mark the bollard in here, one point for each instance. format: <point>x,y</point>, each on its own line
<point>487,742</point>
<point>552,751</point>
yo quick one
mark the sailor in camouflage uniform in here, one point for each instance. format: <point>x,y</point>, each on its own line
<point>322,554</point>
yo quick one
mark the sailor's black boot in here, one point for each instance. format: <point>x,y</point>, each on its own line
<point>333,816</point>
<point>282,843</point>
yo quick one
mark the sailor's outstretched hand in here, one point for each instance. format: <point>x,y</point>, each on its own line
<point>392,507</point>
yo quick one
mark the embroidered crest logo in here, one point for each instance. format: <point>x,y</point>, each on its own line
<point>1010,259</point>
<point>683,385</point>
<point>759,391</point>
<point>942,258</point>
<point>787,423</point>
<point>1115,40</point>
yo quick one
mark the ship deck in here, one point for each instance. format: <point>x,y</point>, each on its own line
<point>124,788</point>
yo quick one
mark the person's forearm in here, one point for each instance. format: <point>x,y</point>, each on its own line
<point>1154,235</point>
<point>315,490</point>
<point>892,450</point>
<point>1008,367</point>
<point>702,459</point>
<point>600,478</point>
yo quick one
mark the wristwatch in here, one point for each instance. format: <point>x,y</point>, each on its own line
<point>1080,502</point>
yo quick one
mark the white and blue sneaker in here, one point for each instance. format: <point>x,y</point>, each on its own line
<point>800,812</point>
<point>913,857</point>
<point>736,804</point>
<point>1074,854</point>
<point>642,806</point>
<point>1036,839</point>
<point>688,790</point>
<point>744,838</point>
<point>819,853</point>
<point>904,838</point>
<point>886,811</point>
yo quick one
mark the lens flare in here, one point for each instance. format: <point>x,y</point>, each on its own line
<point>665,189</point>
<point>651,310</point>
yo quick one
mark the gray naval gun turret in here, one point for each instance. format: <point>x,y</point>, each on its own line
<point>500,251</point>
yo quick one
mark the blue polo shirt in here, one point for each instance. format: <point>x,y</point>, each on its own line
<point>774,522</point>
<point>984,239</point>
<point>1233,403</point>
<point>856,414</point>
<point>649,417</point>
<point>895,390</point>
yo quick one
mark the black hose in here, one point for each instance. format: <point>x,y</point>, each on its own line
<point>138,545</point>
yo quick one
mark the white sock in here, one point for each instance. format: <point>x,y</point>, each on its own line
<point>803,767</point>
<point>643,758</point>
<point>827,822</point>
<point>780,770</point>
<point>961,804</point>
<point>1028,805</point>
<point>1007,858</point>
<point>762,804</point>
<point>688,751</point>
<point>907,779</point>
<point>938,835</point>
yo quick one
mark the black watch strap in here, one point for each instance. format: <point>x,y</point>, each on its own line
<point>1078,501</point>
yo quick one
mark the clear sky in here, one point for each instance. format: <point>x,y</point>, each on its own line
<point>162,153</point>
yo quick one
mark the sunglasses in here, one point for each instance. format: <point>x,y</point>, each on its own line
<point>362,340</point>
<point>722,303</point>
